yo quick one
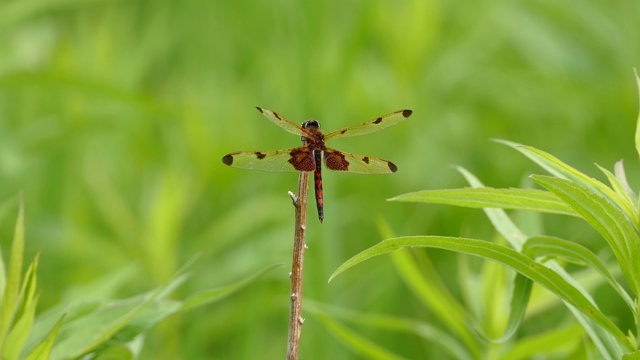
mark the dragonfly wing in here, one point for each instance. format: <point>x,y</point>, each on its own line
<point>360,164</point>
<point>284,123</point>
<point>370,126</point>
<point>289,160</point>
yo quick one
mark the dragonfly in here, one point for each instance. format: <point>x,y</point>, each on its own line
<point>308,157</point>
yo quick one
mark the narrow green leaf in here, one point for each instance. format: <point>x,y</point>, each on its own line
<point>635,71</point>
<point>83,335</point>
<point>510,231</point>
<point>10,296</point>
<point>498,217</point>
<point>115,352</point>
<point>425,283</point>
<point>43,350</point>
<point>356,343</point>
<point>547,343</point>
<point>618,187</point>
<point>6,207</point>
<point>483,197</point>
<point>606,343</point>
<point>519,301</point>
<point>545,246</point>
<point>76,301</point>
<point>519,262</point>
<point>621,175</point>
<point>606,219</point>
<point>96,324</point>
<point>408,326</point>
<point>25,313</point>
<point>561,170</point>
<point>632,356</point>
<point>209,296</point>
<point>20,331</point>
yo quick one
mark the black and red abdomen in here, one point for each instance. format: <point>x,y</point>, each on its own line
<point>317,178</point>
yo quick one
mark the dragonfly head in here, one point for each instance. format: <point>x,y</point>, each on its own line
<point>311,125</point>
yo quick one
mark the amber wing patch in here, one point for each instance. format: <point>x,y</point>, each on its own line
<point>302,159</point>
<point>335,160</point>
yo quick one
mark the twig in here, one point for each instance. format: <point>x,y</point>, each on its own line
<point>295,314</point>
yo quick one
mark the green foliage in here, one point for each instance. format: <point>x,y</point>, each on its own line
<point>114,116</point>
<point>612,211</point>
<point>19,300</point>
<point>87,323</point>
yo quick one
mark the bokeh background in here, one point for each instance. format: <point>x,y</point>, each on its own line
<point>114,117</point>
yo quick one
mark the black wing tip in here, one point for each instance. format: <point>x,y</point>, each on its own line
<point>392,167</point>
<point>227,159</point>
<point>260,109</point>
<point>407,113</point>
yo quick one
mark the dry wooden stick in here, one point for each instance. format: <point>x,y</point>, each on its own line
<point>295,313</point>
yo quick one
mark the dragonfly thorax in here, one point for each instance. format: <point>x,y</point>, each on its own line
<point>315,138</point>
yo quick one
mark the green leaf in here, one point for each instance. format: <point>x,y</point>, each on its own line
<point>519,301</point>
<point>91,325</point>
<point>425,283</point>
<point>616,185</point>
<point>546,343</point>
<point>43,350</point>
<point>5,207</point>
<point>632,356</point>
<point>635,71</point>
<point>605,343</point>
<point>209,296</point>
<point>397,324</point>
<point>544,246</point>
<point>9,302</point>
<point>498,217</point>
<point>483,197</point>
<point>116,352</point>
<point>86,333</point>
<point>20,331</point>
<point>79,301</point>
<point>519,262</point>
<point>620,174</point>
<point>561,170</point>
<point>356,343</point>
<point>607,219</point>
<point>24,316</point>
<point>428,287</point>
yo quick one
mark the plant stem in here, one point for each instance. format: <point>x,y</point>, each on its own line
<point>295,313</point>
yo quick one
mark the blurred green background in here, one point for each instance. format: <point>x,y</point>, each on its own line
<point>114,116</point>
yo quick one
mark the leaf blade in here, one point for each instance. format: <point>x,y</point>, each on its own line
<point>484,197</point>
<point>519,262</point>
<point>607,219</point>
